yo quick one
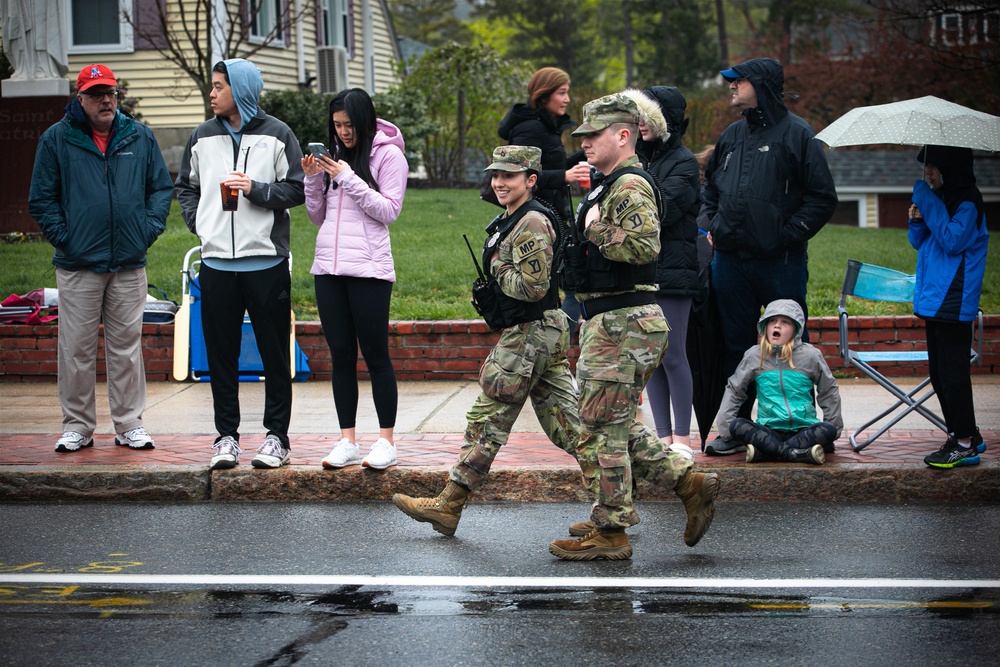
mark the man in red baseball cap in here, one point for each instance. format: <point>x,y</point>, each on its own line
<point>101,192</point>
<point>98,95</point>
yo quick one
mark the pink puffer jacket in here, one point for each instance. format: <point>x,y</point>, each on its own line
<point>354,219</point>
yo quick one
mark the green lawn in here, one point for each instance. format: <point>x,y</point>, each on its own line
<point>434,270</point>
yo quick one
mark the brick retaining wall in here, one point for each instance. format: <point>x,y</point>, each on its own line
<point>452,349</point>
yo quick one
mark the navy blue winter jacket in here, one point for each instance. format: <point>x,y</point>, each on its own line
<point>101,212</point>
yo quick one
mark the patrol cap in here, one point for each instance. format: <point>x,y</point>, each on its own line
<point>516,158</point>
<point>602,112</point>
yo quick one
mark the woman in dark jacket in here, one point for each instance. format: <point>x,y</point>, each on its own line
<point>540,122</point>
<point>675,168</point>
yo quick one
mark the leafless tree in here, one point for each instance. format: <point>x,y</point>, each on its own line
<point>193,36</point>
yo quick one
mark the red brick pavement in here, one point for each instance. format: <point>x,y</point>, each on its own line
<point>525,450</point>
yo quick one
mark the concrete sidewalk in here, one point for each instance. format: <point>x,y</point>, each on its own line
<point>429,428</point>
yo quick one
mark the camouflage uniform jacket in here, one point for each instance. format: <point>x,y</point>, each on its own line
<point>627,228</point>
<point>522,263</point>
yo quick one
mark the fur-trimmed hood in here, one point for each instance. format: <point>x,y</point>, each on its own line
<point>649,112</point>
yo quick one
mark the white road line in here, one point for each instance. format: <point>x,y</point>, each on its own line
<point>480,582</point>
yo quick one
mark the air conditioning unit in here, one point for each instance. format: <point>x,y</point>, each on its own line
<point>331,69</point>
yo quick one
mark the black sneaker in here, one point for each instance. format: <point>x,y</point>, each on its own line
<point>720,447</point>
<point>977,442</point>
<point>953,455</point>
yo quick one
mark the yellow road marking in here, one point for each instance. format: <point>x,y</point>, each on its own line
<point>104,602</point>
<point>877,605</point>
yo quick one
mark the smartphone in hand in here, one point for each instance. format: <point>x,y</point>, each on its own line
<point>318,149</point>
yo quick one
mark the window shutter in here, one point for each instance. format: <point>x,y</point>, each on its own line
<point>349,42</point>
<point>148,31</point>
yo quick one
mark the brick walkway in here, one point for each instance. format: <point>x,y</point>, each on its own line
<point>525,450</point>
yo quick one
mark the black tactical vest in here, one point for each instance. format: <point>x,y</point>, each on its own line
<point>505,310</point>
<point>584,268</point>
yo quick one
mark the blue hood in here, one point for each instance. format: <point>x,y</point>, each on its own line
<point>247,83</point>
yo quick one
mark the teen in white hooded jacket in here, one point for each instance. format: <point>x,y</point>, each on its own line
<point>244,253</point>
<point>353,198</point>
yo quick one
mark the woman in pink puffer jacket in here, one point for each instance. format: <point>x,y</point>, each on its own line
<point>353,198</point>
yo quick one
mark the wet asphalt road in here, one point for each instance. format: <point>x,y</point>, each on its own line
<point>361,584</point>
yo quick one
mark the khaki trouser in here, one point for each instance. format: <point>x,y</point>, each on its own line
<point>84,297</point>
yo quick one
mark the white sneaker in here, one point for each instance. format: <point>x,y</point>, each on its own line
<point>272,454</point>
<point>71,441</point>
<point>381,456</point>
<point>345,453</point>
<point>137,438</point>
<point>227,453</point>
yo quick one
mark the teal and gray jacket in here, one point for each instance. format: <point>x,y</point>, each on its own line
<point>100,212</point>
<point>784,391</point>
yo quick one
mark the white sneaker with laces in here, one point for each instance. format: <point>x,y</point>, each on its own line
<point>137,438</point>
<point>71,441</point>
<point>272,454</point>
<point>345,453</point>
<point>381,456</point>
<point>227,453</point>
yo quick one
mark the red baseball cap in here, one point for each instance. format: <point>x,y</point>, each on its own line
<point>95,75</point>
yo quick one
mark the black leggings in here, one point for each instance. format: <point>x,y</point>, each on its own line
<point>948,350</point>
<point>264,295</point>
<point>352,311</point>
<point>775,445</point>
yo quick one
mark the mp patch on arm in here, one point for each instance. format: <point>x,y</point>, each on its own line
<point>635,208</point>
<point>529,254</point>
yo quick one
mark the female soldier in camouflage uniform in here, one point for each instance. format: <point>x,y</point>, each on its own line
<point>529,361</point>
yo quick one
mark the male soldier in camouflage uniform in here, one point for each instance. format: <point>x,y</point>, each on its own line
<point>621,342</point>
<point>529,361</point>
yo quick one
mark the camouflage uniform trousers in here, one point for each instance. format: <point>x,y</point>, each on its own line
<point>619,350</point>
<point>529,361</point>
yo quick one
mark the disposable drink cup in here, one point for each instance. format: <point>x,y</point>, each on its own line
<point>230,195</point>
<point>585,182</point>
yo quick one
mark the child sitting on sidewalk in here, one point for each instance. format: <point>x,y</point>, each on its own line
<point>785,370</point>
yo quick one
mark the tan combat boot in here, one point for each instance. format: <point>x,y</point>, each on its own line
<point>598,543</point>
<point>442,512</point>
<point>698,491</point>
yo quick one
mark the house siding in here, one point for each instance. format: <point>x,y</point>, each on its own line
<point>385,49</point>
<point>168,98</point>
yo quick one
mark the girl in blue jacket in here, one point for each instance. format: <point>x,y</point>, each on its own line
<point>948,231</point>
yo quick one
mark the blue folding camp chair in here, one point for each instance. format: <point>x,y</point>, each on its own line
<point>190,354</point>
<point>877,283</point>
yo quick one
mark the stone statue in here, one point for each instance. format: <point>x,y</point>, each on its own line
<point>33,39</point>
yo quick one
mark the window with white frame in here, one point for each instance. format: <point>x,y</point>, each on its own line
<point>98,26</point>
<point>335,23</point>
<point>987,27</point>
<point>965,25</point>
<point>266,21</point>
